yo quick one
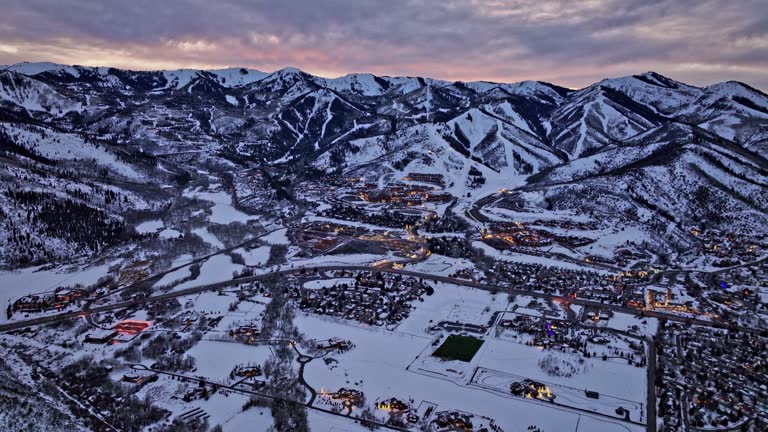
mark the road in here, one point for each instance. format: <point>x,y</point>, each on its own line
<point>154,278</point>
<point>651,371</point>
<point>236,389</point>
<point>651,381</point>
<point>308,270</point>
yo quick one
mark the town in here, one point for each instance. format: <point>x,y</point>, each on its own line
<point>232,249</point>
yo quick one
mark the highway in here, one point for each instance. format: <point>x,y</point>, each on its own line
<point>88,309</point>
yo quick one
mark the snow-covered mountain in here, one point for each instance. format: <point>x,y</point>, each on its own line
<point>680,174</point>
<point>22,92</point>
<point>681,152</point>
<point>250,106</point>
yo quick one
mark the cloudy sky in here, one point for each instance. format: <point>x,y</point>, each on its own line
<point>571,43</point>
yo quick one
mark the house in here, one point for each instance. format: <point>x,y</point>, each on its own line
<point>350,395</point>
<point>392,405</point>
<point>453,420</point>
<point>249,371</point>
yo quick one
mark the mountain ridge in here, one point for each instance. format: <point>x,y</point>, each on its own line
<point>35,68</point>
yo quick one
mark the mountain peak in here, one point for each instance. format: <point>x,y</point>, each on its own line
<point>237,76</point>
<point>240,70</point>
<point>733,86</point>
<point>289,71</point>
<point>34,68</point>
<point>660,80</point>
<point>655,75</point>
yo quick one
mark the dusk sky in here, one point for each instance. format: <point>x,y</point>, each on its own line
<point>565,42</point>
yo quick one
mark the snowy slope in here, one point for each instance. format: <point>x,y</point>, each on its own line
<point>663,95</point>
<point>734,111</point>
<point>501,145</point>
<point>237,77</point>
<point>677,175</point>
<point>33,95</point>
<point>361,84</point>
<point>597,116</point>
<point>288,115</point>
<point>61,146</point>
<point>34,68</point>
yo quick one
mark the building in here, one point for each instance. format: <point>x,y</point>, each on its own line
<point>132,327</point>
<point>436,179</point>
<point>101,336</point>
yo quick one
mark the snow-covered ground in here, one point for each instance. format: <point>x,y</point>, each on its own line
<point>150,226</point>
<point>63,146</point>
<point>217,268</point>
<point>33,280</point>
<point>222,211</point>
<point>440,265</point>
<point>356,259</point>
<point>169,233</point>
<point>453,303</point>
<point>176,274</point>
<point>277,237</point>
<point>324,422</point>
<point>532,259</point>
<point>614,379</point>
<point>216,359</point>
<point>381,365</point>
<point>324,283</point>
<point>254,257</point>
<point>255,419</point>
<point>208,237</point>
<point>377,366</point>
<point>224,408</point>
<point>641,326</point>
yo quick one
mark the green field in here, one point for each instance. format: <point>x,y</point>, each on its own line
<point>458,347</point>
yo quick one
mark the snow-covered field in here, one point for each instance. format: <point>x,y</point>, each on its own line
<point>254,257</point>
<point>215,269</point>
<point>277,237</point>
<point>149,226</point>
<point>208,237</point>
<point>571,397</point>
<point>328,260</point>
<point>382,365</point>
<point>216,359</point>
<point>626,322</point>
<point>614,379</point>
<point>440,265</point>
<point>531,259</point>
<point>222,212</point>
<point>224,408</point>
<point>176,274</point>
<point>323,422</point>
<point>377,366</point>
<point>453,303</point>
<point>323,283</point>
<point>169,233</point>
